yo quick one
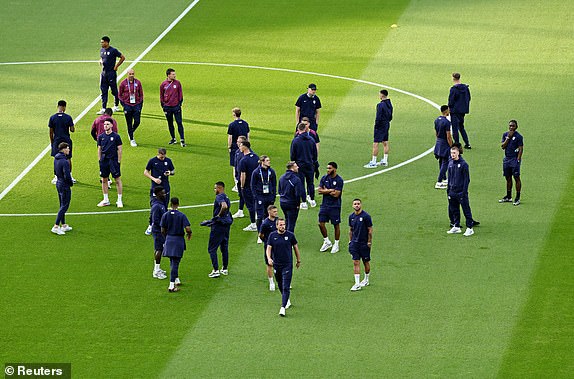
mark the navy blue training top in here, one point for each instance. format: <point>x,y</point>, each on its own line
<point>61,123</point>
<point>175,222</point>
<point>331,183</point>
<point>109,145</point>
<point>511,150</point>
<point>282,247</point>
<point>360,224</point>
<point>109,56</point>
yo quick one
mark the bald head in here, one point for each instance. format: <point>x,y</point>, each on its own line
<point>131,74</point>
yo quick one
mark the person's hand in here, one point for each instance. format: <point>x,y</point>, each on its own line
<point>167,173</point>
<point>270,261</point>
<point>157,180</point>
<point>298,264</point>
<point>510,133</point>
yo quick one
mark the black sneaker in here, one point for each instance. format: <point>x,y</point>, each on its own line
<point>467,147</point>
<point>475,223</point>
<point>183,143</point>
<point>505,199</point>
<point>516,202</point>
<point>172,141</point>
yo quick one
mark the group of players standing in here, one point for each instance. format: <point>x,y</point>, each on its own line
<point>256,181</point>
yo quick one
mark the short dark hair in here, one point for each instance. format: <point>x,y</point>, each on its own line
<point>62,103</point>
<point>169,71</point>
<point>357,199</point>
<point>443,108</point>
<point>280,219</point>
<point>384,92</point>
<point>106,38</point>
<point>109,120</point>
<point>301,126</point>
<point>236,111</point>
<point>305,119</point>
<point>290,165</point>
<point>220,184</point>
<point>457,146</point>
<point>109,111</point>
<point>157,190</point>
<point>271,207</point>
<point>63,145</point>
<point>162,150</point>
<point>247,144</point>
<point>456,75</point>
<point>333,164</point>
<point>174,201</point>
<point>514,122</point>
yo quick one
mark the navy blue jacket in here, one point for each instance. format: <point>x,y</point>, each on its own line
<point>384,114</point>
<point>459,99</point>
<point>304,151</point>
<point>458,177</point>
<point>261,176</point>
<point>62,170</point>
<point>291,190</point>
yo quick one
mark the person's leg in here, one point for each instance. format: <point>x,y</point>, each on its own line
<point>310,184</point>
<point>454,126</point>
<point>465,204</point>
<point>169,118</point>
<point>287,274</point>
<point>215,239</point>
<point>462,131</point>
<point>174,265</point>
<point>128,113</point>
<point>443,166</point>
<point>323,230</point>
<point>136,113</point>
<point>119,185</point>
<point>454,211</point>
<point>302,177</point>
<point>114,87</point>
<point>518,186</point>
<point>375,152</point>
<point>179,121</point>
<point>337,232</point>
<point>225,247</point>
<point>278,277</point>
<point>385,152</point>
<point>104,87</point>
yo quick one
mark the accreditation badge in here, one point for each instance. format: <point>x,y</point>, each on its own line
<point>266,188</point>
<point>132,98</point>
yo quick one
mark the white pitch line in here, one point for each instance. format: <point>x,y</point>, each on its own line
<point>404,163</point>
<point>85,111</point>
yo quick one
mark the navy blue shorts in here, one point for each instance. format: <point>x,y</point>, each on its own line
<point>510,167</point>
<point>158,241</point>
<point>110,166</point>
<point>232,157</point>
<point>381,135</point>
<point>332,215</point>
<point>360,251</point>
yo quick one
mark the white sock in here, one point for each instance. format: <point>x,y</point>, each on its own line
<point>177,281</point>
<point>366,277</point>
<point>385,157</point>
<point>119,197</point>
<point>336,242</point>
<point>171,285</point>
<point>326,239</point>
<point>357,278</point>
<point>106,198</point>
<point>374,160</point>
<point>270,280</point>
<point>156,267</point>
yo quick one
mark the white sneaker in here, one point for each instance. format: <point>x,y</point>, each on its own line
<point>101,111</point>
<point>74,180</point>
<point>259,240</point>
<point>445,182</point>
<point>224,271</point>
<point>326,246</point>
<point>235,189</point>
<point>66,228</point>
<point>57,230</point>
<point>250,228</point>
<point>469,232</point>
<point>159,274</point>
<point>282,312</point>
<point>288,304</point>
<point>356,287</point>
<point>103,203</point>
<point>116,108</point>
<point>370,165</point>
<point>272,286</point>
<point>148,230</point>
<point>335,248</point>
<point>454,230</point>
<point>238,214</point>
<point>440,185</point>
<point>133,143</point>
<point>214,274</point>
<point>383,163</point>
<point>55,180</point>
<point>119,204</point>
<point>364,283</point>
<point>312,203</point>
<point>303,206</point>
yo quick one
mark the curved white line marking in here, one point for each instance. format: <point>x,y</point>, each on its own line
<point>423,154</point>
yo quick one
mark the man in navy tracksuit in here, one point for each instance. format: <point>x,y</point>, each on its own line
<point>158,209</point>
<point>263,187</point>
<point>459,104</point>
<point>442,145</point>
<point>513,145</point>
<point>457,192</point>
<point>219,235</point>
<point>381,134</point>
<point>280,246</point>
<point>63,185</point>
<point>304,153</point>
<point>291,194</point>
<point>248,163</point>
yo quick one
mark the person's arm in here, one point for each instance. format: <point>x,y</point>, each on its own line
<point>350,234</point>
<point>297,255</point>
<point>268,252</point>
<point>180,94</point>
<point>188,232</point>
<point>147,174</point>
<point>161,93</point>
<point>506,140</point>
<point>99,153</point>
<point>520,149</point>
<point>120,150</point>
<point>335,193</point>
<point>448,138</point>
<point>51,136</point>
<point>466,179</point>
<point>297,114</point>
<point>223,209</point>
<point>242,179</point>
<point>163,231</point>
<point>370,236</point>
<point>122,59</point>
<point>317,116</point>
<point>229,141</point>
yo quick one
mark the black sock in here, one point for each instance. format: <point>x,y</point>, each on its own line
<point>509,194</point>
<point>517,195</point>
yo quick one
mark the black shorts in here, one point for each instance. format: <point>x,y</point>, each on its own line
<point>110,166</point>
<point>381,134</point>
<point>332,215</point>
<point>360,251</point>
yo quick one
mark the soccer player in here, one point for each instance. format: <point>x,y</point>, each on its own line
<point>173,226</point>
<point>308,105</point>
<point>513,146</point>
<point>158,209</point>
<point>268,226</point>
<point>132,97</point>
<point>304,152</point>
<point>263,187</point>
<point>459,104</point>
<point>313,134</point>
<point>382,126</point>
<point>291,194</point>
<point>98,124</point>
<point>110,157</point>
<point>331,187</point>
<point>109,75</point>
<point>158,170</point>
<point>63,185</point>
<point>238,157</point>
<point>236,129</point>
<point>360,240</point>
<point>280,246</point>
<point>442,145</point>
<point>219,235</point>
<point>171,98</point>
<point>61,124</point>
<point>248,164</point>
<point>457,192</point>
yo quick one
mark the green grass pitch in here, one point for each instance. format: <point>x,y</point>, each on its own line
<point>498,304</point>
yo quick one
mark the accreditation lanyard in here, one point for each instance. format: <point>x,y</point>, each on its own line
<point>132,94</point>
<point>265,185</point>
